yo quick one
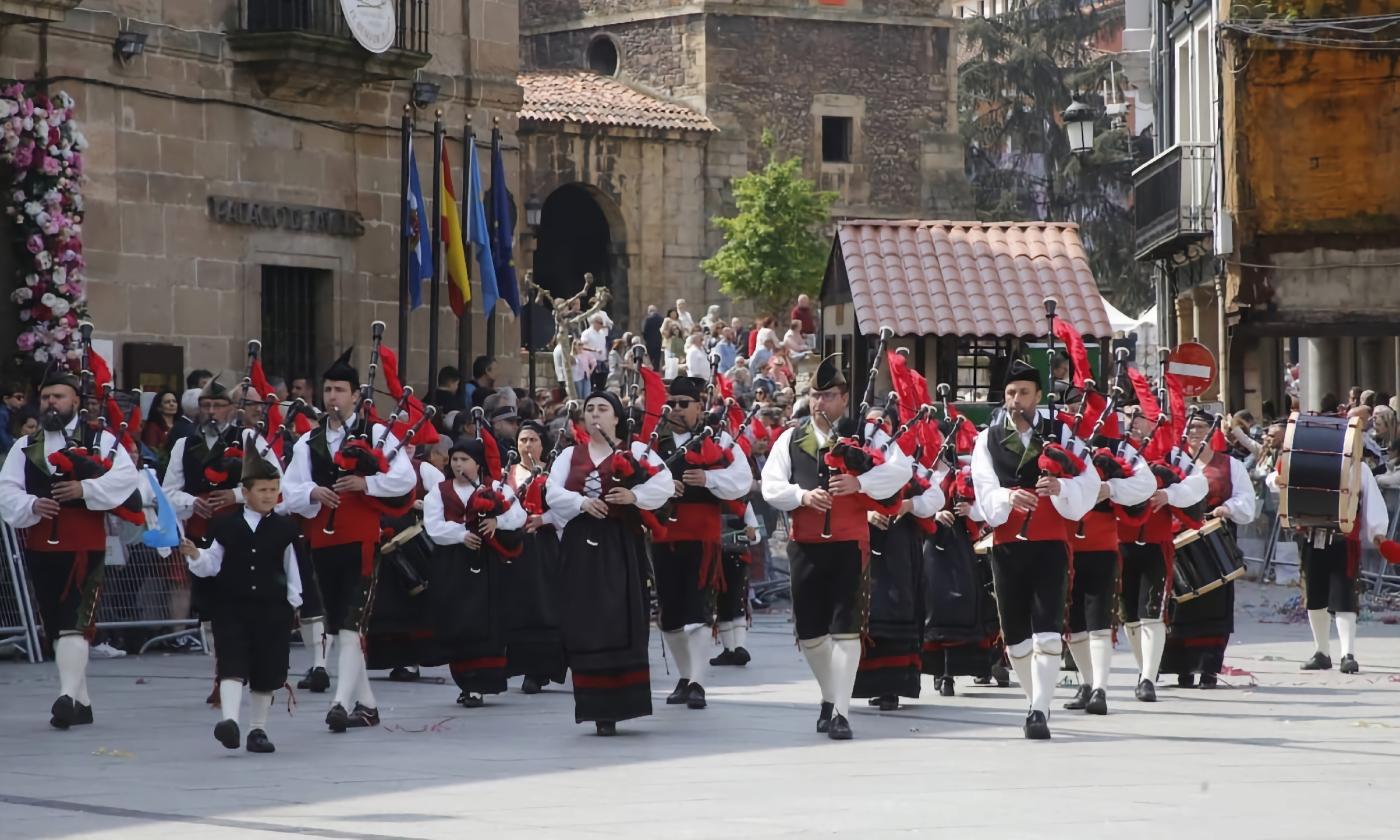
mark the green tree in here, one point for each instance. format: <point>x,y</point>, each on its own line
<point>775,245</point>
<point>1023,68</point>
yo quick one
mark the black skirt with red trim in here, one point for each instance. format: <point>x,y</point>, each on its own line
<point>605,620</point>
<point>961,630</point>
<point>463,603</point>
<point>890,664</point>
<point>531,595</point>
<point>1198,632</point>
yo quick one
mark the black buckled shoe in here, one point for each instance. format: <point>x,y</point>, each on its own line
<point>1081,699</point>
<point>840,728</point>
<point>402,674</point>
<point>1036,727</point>
<point>1187,680</point>
<point>63,713</point>
<point>226,733</point>
<point>606,727</point>
<point>530,685</point>
<point>317,680</point>
<point>741,656</point>
<point>470,700</point>
<point>1349,665</point>
<point>695,696</point>
<point>258,742</point>
<point>887,703</point>
<point>945,686</point>
<point>1146,691</point>
<point>824,718</point>
<point>1208,681</point>
<point>1319,662</point>
<point>1098,702</point>
<point>363,716</point>
<point>81,714</point>
<point>680,695</point>
<point>726,657</point>
<point>337,718</point>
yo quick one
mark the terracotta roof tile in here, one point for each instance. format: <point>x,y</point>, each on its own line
<point>590,99</point>
<point>968,278</point>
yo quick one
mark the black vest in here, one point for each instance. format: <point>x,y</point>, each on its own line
<point>1007,463</point>
<point>252,569</point>
<point>198,456</point>
<point>323,469</point>
<point>666,447</point>
<point>807,471</point>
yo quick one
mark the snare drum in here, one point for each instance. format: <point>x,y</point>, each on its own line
<point>1206,559</point>
<point>1319,481</point>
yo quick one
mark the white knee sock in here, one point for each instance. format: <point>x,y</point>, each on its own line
<point>1317,620</point>
<point>1083,659</point>
<point>1101,652</point>
<point>679,646</point>
<point>1346,632</point>
<point>313,636</point>
<point>364,693</point>
<point>257,714</point>
<point>1134,631</point>
<point>1154,644</point>
<point>726,634</point>
<point>818,652</point>
<point>1045,670</point>
<point>230,698</point>
<point>741,633</point>
<point>350,671</point>
<point>698,638</point>
<point>70,654</point>
<point>1020,656</point>
<point>845,662</point>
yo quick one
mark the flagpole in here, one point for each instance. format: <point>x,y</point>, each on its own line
<point>464,324</point>
<point>491,316</point>
<point>406,129</point>
<point>434,299</point>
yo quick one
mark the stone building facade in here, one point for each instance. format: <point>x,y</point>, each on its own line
<point>270,103</point>
<point>864,91</point>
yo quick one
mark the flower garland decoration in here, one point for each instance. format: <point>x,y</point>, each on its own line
<point>41,174</point>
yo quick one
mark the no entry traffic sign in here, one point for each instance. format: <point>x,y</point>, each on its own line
<point>1194,365</point>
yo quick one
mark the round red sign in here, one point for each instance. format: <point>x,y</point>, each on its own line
<point>1194,365</point>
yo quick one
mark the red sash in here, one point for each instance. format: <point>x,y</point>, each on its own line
<point>1046,525</point>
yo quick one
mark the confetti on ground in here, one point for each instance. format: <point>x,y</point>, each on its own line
<point>103,751</point>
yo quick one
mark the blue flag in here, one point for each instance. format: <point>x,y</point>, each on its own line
<point>479,234</point>
<point>167,531</point>
<point>417,235</point>
<point>503,229</point>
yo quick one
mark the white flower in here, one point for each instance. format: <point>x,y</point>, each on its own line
<point>60,308</point>
<point>7,107</point>
<point>44,260</point>
<point>79,140</point>
<point>60,275</point>
<point>41,355</point>
<point>62,333</point>
<point>48,299</point>
<point>31,279</point>
<point>33,208</point>
<point>22,294</point>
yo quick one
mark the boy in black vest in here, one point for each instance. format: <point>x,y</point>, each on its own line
<point>252,556</point>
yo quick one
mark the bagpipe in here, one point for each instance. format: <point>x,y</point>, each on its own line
<point>356,454</point>
<point>627,471</point>
<point>487,502</point>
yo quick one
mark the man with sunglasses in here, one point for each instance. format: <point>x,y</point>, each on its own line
<point>829,556</point>
<point>686,559</point>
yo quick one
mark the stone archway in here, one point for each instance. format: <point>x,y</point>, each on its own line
<point>581,231</point>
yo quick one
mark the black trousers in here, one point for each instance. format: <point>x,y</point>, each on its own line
<point>252,641</point>
<point>1030,580</point>
<point>1326,584</point>
<point>344,589</point>
<point>1144,581</point>
<point>682,600</point>
<point>830,588</point>
<point>1094,590</point>
<point>67,603</point>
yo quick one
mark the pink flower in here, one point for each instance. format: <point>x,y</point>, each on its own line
<point>35,244</point>
<point>71,319</point>
<point>26,341</point>
<point>50,166</point>
<point>24,157</point>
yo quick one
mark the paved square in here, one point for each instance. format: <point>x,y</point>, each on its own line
<point>1295,756</point>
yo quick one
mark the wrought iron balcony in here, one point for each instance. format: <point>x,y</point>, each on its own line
<point>304,47</point>
<point>35,11</point>
<point>1173,199</point>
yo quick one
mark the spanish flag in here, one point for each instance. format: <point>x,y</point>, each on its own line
<point>459,290</point>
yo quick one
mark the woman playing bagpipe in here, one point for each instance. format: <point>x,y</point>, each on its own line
<point>890,664</point>
<point>1093,543</point>
<point>472,522</point>
<point>341,482</point>
<point>709,472</point>
<point>534,641</point>
<point>809,474</point>
<point>59,483</point>
<point>599,488</point>
<point>1028,487</point>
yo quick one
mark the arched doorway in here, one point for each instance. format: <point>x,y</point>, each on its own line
<point>575,238</point>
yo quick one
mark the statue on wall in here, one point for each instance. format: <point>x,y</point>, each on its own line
<point>571,316</point>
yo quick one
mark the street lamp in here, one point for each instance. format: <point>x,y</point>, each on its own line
<point>534,209</point>
<point>1079,126</point>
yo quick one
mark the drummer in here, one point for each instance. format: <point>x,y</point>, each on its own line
<point>1201,628</point>
<point>1331,565</point>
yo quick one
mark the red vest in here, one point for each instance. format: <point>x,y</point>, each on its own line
<point>1100,530</point>
<point>848,521</point>
<point>1046,525</point>
<point>453,508</point>
<point>1218,480</point>
<point>79,530</point>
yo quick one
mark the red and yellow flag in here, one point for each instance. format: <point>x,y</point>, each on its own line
<point>459,289</point>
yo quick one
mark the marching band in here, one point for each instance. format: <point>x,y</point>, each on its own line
<point>917,543</point>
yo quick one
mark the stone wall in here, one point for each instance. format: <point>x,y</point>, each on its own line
<point>664,55</point>
<point>183,122</point>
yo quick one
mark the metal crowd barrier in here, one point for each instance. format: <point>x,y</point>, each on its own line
<point>140,589</point>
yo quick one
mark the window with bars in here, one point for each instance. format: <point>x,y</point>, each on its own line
<point>292,301</point>
<point>979,361</point>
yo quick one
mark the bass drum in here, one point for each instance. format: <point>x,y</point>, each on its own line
<point>1319,480</point>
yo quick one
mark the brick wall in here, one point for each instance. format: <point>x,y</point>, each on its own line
<point>159,268</point>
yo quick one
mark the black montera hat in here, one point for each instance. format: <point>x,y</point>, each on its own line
<point>1019,371</point>
<point>58,374</point>
<point>686,386</point>
<point>257,468</point>
<point>342,371</point>
<point>829,374</point>
<point>215,390</point>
